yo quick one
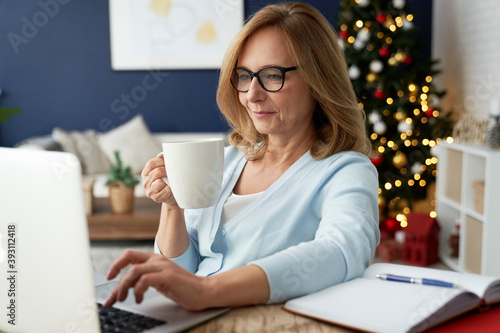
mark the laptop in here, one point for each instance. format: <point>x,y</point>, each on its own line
<point>46,278</point>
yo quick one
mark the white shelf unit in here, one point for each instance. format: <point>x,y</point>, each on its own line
<point>459,167</point>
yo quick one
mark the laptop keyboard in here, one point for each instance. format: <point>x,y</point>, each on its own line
<point>121,321</point>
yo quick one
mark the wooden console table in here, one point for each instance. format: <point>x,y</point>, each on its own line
<point>142,224</point>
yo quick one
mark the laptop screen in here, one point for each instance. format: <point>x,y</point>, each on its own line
<point>45,268</point>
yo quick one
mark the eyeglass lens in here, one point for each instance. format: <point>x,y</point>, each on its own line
<point>271,79</point>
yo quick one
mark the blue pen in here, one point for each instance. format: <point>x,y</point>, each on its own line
<point>406,279</point>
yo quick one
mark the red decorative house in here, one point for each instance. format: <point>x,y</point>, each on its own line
<point>421,243</point>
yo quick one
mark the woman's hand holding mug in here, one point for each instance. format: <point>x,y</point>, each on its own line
<point>154,185</point>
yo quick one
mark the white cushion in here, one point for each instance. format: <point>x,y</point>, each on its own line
<point>85,146</point>
<point>134,142</point>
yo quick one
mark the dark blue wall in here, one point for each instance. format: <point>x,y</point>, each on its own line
<point>59,73</point>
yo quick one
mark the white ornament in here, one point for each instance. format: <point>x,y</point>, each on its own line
<point>374,117</point>
<point>434,100</point>
<point>358,44</point>
<point>399,236</point>
<point>379,127</point>
<point>415,168</point>
<point>403,126</point>
<point>407,25</point>
<point>341,43</point>
<point>363,35</point>
<point>354,72</point>
<point>398,4</point>
<point>376,66</point>
<point>363,3</point>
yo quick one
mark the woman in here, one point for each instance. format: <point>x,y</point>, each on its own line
<point>298,208</point>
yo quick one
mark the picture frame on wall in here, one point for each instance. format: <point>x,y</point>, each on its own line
<point>172,34</point>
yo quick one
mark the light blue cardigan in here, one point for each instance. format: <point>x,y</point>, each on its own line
<point>314,227</point>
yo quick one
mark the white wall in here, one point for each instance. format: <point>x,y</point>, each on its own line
<point>466,40</point>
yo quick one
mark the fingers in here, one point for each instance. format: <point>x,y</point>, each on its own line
<point>112,299</point>
<point>160,192</point>
<point>127,258</point>
<point>151,279</point>
<point>152,164</point>
<point>141,282</point>
<point>154,186</point>
<point>140,276</point>
<point>132,279</point>
<point>169,279</point>
<point>153,170</point>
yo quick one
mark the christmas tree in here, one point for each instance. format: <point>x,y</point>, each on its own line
<point>393,82</point>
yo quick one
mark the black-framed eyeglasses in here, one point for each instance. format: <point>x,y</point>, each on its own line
<point>270,78</point>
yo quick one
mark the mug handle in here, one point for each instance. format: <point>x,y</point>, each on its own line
<point>165,179</point>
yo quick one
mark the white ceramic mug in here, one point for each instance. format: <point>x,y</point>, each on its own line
<point>194,171</point>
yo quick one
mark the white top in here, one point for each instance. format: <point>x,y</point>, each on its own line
<point>236,203</point>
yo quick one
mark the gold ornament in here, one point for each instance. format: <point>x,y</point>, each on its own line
<point>397,206</point>
<point>392,61</point>
<point>371,77</point>
<point>399,160</point>
<point>382,205</point>
<point>389,21</point>
<point>400,116</point>
<point>382,202</point>
<point>399,56</point>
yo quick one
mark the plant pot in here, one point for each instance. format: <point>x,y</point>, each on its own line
<point>121,198</point>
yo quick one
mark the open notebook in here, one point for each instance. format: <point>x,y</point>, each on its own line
<point>46,278</point>
<point>375,305</point>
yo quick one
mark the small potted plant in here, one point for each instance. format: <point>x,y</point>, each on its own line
<point>5,112</point>
<point>121,184</point>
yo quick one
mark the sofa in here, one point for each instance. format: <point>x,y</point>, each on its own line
<point>95,150</point>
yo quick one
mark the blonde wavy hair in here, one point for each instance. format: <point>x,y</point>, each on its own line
<point>339,121</point>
